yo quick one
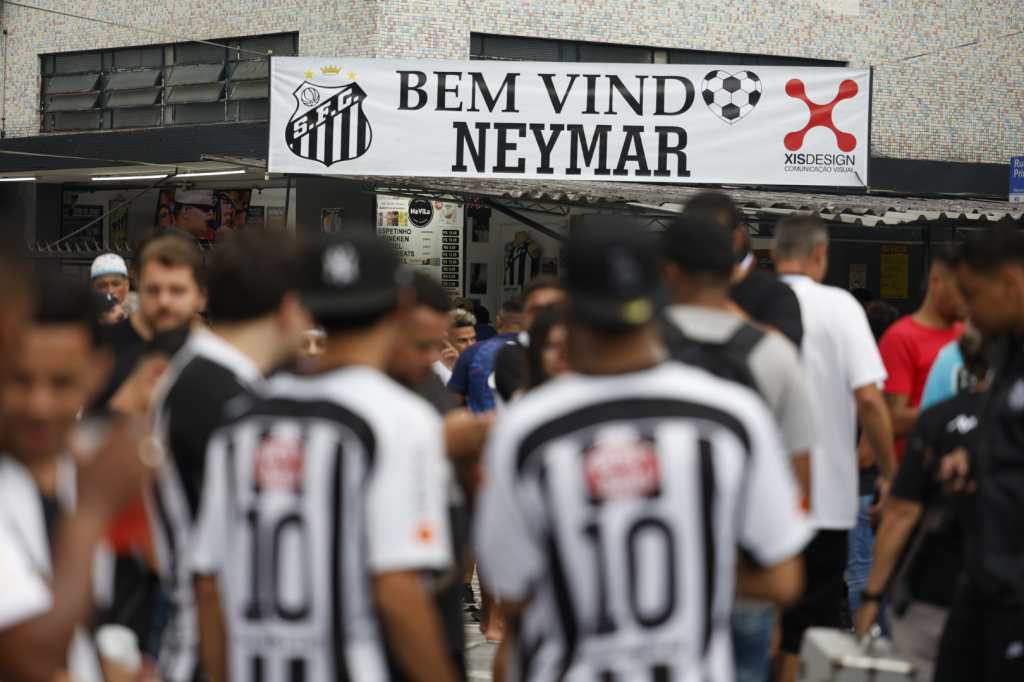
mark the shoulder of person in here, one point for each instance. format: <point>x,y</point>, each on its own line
<point>776,347</point>
<point>201,380</point>
<point>733,401</point>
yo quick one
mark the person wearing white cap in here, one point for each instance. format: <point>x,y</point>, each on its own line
<point>109,275</point>
<point>193,212</point>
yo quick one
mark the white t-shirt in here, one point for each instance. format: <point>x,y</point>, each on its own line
<point>840,355</point>
<point>442,372</point>
<point>25,559</point>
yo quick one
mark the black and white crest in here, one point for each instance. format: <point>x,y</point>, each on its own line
<point>328,124</point>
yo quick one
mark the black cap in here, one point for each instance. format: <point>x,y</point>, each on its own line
<point>612,276</point>
<point>698,243</point>
<point>350,274</point>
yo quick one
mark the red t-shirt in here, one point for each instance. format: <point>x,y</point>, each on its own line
<point>908,350</point>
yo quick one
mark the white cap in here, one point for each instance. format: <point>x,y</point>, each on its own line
<point>108,264</point>
<point>194,197</point>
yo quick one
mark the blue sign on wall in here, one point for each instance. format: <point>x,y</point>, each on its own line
<point>1017,179</point>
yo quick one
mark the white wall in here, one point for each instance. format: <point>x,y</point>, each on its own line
<point>503,231</point>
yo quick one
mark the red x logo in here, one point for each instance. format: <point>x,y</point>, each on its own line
<point>821,115</point>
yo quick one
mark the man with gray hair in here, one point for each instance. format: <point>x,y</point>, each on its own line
<point>844,371</point>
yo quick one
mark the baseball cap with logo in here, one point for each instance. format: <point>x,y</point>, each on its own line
<point>108,264</point>
<point>612,276</point>
<point>350,274</point>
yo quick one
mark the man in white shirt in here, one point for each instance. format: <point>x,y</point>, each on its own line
<point>844,371</point>
<point>48,538</point>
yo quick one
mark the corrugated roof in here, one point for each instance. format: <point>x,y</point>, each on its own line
<point>848,208</point>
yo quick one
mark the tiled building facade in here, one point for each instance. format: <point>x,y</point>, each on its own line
<point>956,105</point>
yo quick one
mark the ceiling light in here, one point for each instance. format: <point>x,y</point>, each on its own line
<point>108,178</point>
<point>202,174</point>
<point>17,179</point>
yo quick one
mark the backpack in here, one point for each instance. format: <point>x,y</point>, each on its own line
<point>725,359</point>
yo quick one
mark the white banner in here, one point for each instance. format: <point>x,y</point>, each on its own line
<point>426,234</point>
<point>764,125</point>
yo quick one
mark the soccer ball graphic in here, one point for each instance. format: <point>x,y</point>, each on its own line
<point>731,96</point>
<point>309,96</point>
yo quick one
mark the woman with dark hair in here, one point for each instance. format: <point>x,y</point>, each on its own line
<point>546,354</point>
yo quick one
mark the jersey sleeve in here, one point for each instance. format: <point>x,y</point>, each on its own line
<point>861,352</point>
<point>895,349</point>
<point>211,531</point>
<point>780,372</point>
<point>509,552</point>
<point>406,506</point>
<point>773,528</point>
<point>195,409</point>
<point>24,593</point>
<point>459,382</point>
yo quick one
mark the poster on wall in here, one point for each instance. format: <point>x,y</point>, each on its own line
<point>858,276</point>
<point>895,272</point>
<point>206,214</point>
<point>74,217</point>
<point>693,123</point>
<point>427,235</point>
<point>478,279</point>
<point>522,260</point>
<point>330,219</point>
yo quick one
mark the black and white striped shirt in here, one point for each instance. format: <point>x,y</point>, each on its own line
<point>323,484</point>
<point>614,505</point>
<point>207,379</point>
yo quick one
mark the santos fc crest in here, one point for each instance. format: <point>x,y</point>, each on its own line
<point>328,124</point>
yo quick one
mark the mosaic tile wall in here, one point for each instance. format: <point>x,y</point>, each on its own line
<point>960,105</point>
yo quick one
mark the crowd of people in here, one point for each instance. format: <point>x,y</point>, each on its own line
<point>293,460</point>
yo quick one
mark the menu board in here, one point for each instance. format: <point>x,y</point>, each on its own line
<point>427,235</point>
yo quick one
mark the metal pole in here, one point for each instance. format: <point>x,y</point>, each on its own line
<point>287,204</point>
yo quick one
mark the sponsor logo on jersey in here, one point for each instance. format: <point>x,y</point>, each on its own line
<point>619,469</point>
<point>425,533</point>
<point>279,464</point>
<point>962,424</point>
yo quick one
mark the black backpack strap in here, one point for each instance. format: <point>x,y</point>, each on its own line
<point>746,337</point>
<point>738,348</point>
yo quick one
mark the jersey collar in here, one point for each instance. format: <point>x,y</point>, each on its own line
<point>206,344</point>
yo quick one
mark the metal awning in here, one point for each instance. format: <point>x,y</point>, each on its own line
<point>854,209</point>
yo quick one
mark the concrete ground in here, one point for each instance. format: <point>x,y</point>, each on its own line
<point>479,652</point>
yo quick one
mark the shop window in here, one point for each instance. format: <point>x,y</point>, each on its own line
<point>136,118</point>
<point>254,110</point>
<point>199,113</point>
<point>249,90</point>
<point>177,84</point>
<point>130,80</point>
<point>123,99</point>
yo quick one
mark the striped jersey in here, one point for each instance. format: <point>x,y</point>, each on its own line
<point>613,505</point>
<point>324,483</point>
<point>207,379</point>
